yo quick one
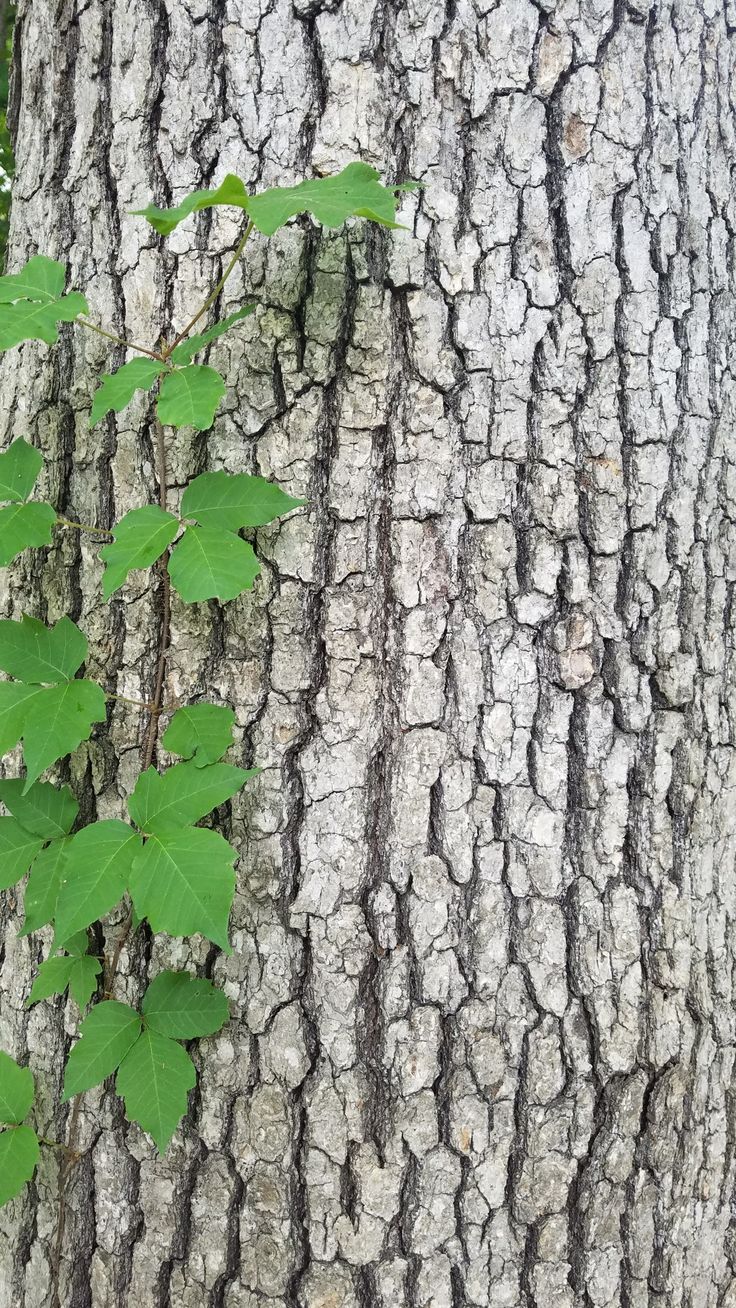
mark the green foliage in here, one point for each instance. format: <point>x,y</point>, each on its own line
<point>186,350</point>
<point>32,303</point>
<point>22,526</point>
<point>356,192</point>
<point>201,732</point>
<point>212,564</point>
<point>118,388</point>
<point>179,876</point>
<point>183,1007</point>
<point>231,192</point>
<point>165,801</point>
<point>140,539</point>
<point>184,883</point>
<point>108,1031</point>
<point>19,469</point>
<point>76,969</point>
<point>189,396</point>
<point>226,501</point>
<point>19,1150</point>
<point>50,719</point>
<point>40,655</point>
<point>16,1091</point>
<point>94,875</point>
<point>154,1073</point>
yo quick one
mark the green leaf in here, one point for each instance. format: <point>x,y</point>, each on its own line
<point>46,810</point>
<point>16,1090</point>
<point>106,1035</point>
<point>26,321</point>
<point>231,501</point>
<point>23,526</point>
<point>155,1080</point>
<point>118,388</point>
<point>190,396</point>
<point>165,801</point>
<point>94,875</point>
<point>202,732</point>
<point>355,192</point>
<point>231,191</point>
<point>19,1154</point>
<point>211,564</point>
<point>184,883</point>
<point>41,279</point>
<point>14,704</point>
<point>140,538</point>
<point>18,848</point>
<point>42,890</point>
<point>19,469</point>
<point>56,721</point>
<point>83,979</point>
<point>36,654</point>
<point>185,351</point>
<point>183,1006</point>
<point>78,973</point>
<point>53,979</point>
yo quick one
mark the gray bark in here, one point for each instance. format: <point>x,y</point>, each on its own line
<point>482,982</point>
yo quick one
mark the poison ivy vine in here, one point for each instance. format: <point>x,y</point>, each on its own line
<point>173,873</point>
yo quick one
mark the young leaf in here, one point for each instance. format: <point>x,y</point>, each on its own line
<point>154,1080</point>
<point>19,468</point>
<point>141,537</point>
<point>15,701</point>
<point>83,979</point>
<point>185,351</point>
<point>106,1035</point>
<point>183,1006</point>
<point>78,972</point>
<point>23,526</point>
<point>355,192</point>
<point>190,396</point>
<point>231,501</point>
<point>211,564</point>
<point>36,654</point>
<point>42,890</point>
<point>42,279</point>
<point>94,875</point>
<point>16,1090</point>
<point>19,1154</point>
<point>47,811</point>
<point>231,191</point>
<point>53,979</point>
<point>18,848</point>
<point>184,883</point>
<point>201,732</point>
<point>118,388</point>
<point>57,720</point>
<point>165,801</point>
<point>26,321</point>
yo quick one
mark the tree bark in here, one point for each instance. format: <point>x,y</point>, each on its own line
<point>483,1030</point>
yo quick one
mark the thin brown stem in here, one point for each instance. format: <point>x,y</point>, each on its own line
<point>119,340</point>
<point>137,703</point>
<point>167,349</point>
<point>82,526</point>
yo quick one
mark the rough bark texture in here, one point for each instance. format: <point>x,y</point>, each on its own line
<point>483,1044</point>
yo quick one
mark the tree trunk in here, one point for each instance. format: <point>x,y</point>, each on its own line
<point>483,1030</point>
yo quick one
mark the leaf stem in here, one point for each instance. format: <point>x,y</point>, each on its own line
<point>119,340</point>
<point>82,526</point>
<point>137,703</point>
<point>167,349</point>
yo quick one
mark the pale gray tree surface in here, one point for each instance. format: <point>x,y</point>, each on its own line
<point>482,1047</point>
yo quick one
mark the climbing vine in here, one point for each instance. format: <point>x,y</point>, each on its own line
<point>174,874</point>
